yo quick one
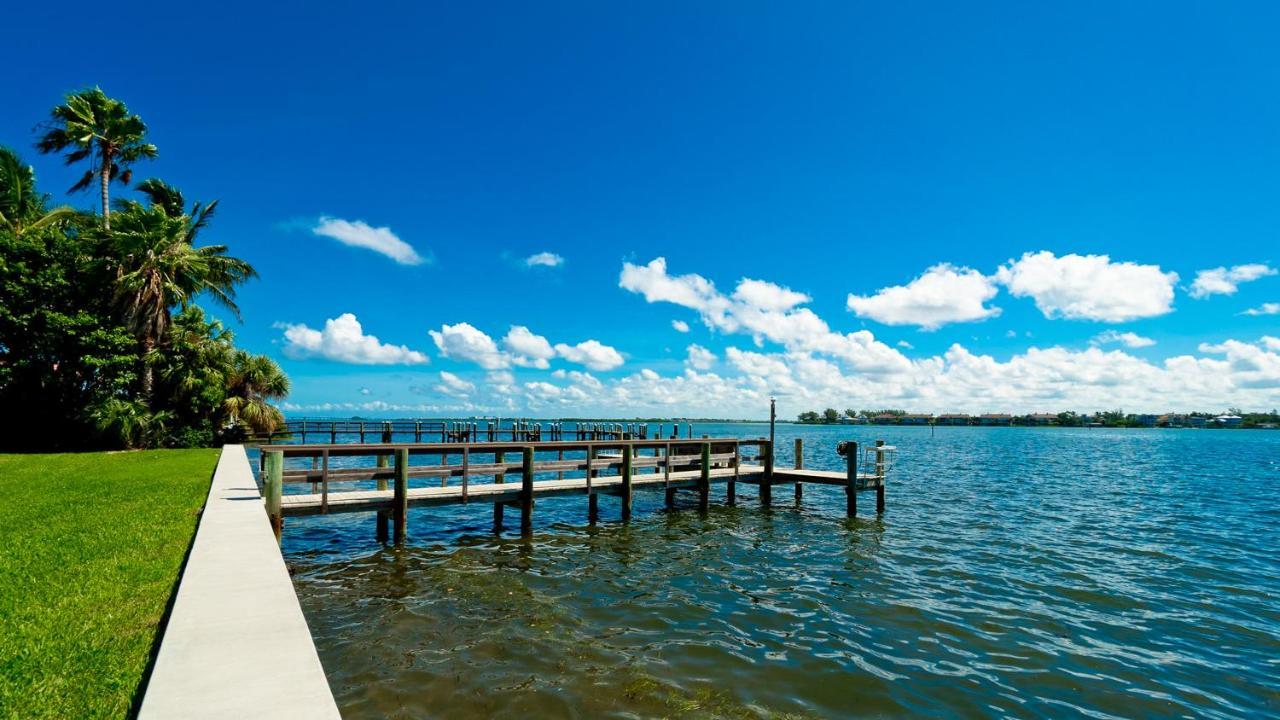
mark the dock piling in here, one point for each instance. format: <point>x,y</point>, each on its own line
<point>400,500</point>
<point>626,483</point>
<point>799,466</point>
<point>526,493</point>
<point>498,458</point>
<point>704,480</point>
<point>851,480</point>
<point>273,486</point>
<point>879,477</point>
<point>766,482</point>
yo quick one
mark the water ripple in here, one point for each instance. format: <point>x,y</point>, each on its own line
<point>1018,572</point>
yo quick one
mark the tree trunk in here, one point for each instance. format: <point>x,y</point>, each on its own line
<point>106,205</point>
<point>148,345</point>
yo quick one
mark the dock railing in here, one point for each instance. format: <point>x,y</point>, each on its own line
<point>545,469</point>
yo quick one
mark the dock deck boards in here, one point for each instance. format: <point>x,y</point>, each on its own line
<point>510,492</point>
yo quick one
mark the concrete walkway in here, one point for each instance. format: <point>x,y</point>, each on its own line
<point>237,645</point>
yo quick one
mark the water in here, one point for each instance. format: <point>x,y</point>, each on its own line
<point>1018,572</point>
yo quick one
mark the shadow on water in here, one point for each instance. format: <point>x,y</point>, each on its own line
<point>1016,572</point>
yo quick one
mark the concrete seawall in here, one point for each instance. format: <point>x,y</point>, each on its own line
<point>237,644</point>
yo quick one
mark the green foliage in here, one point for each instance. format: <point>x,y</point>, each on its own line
<point>92,547</point>
<point>89,126</point>
<point>830,416</point>
<point>92,316</point>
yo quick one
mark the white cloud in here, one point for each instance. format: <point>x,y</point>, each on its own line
<point>1128,339</point>
<point>343,340</point>
<point>591,353</point>
<point>544,259</point>
<point>1089,287</point>
<point>763,310</point>
<point>1270,343</point>
<point>528,349</point>
<point>906,345</point>
<point>455,386</point>
<point>680,326</point>
<point>542,390</point>
<point>1264,309</point>
<point>1225,281</point>
<point>365,391</point>
<point>700,358</point>
<point>357,233</point>
<point>943,294</point>
<point>464,342</point>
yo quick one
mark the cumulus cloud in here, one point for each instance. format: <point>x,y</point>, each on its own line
<point>943,294</point>
<point>1089,287</point>
<point>465,342</point>
<point>358,233</point>
<point>1264,309</point>
<point>455,386</point>
<point>680,326</point>
<point>1128,339</point>
<point>591,353</point>
<point>544,259</point>
<point>1225,281</point>
<point>343,340</point>
<point>527,349</point>
<point>763,310</point>
<point>699,358</point>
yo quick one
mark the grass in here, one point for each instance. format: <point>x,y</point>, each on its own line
<point>90,548</point>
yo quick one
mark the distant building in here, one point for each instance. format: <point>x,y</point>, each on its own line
<point>953,419</point>
<point>995,419</point>
<point>885,419</point>
<point>1041,419</point>
<point>1228,421</point>
<point>1145,420</point>
<point>915,419</point>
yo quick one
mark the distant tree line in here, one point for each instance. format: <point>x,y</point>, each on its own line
<point>1102,418</point>
<point>101,342</point>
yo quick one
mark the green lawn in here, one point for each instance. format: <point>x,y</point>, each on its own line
<point>90,547</point>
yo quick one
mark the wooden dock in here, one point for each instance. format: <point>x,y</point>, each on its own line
<point>464,431</point>
<point>612,468</point>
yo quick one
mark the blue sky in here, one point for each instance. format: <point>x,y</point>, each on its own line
<point>825,150</point>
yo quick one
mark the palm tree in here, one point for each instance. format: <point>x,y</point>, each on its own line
<point>92,126</point>
<point>160,268</point>
<point>21,207</point>
<point>253,381</point>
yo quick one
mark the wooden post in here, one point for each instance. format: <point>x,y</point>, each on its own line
<point>879,477</point>
<point>498,459</point>
<point>526,493</point>
<point>851,480</point>
<point>732,499</point>
<point>272,484</point>
<point>704,479</point>
<point>799,466</point>
<point>666,476</point>
<point>384,517</point>
<point>593,500</point>
<point>626,483</point>
<point>400,501</point>
<point>766,482</point>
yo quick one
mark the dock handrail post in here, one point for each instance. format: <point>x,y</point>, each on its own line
<point>626,483</point>
<point>400,500</point>
<point>526,493</point>
<point>499,458</point>
<point>799,466</point>
<point>879,477</point>
<point>851,480</point>
<point>593,500</point>
<point>273,486</point>
<point>704,479</point>
<point>766,482</point>
<point>732,494</point>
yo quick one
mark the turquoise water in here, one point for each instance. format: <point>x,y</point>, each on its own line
<point>1017,572</point>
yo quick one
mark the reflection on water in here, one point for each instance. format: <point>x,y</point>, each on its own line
<point>1026,572</point>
